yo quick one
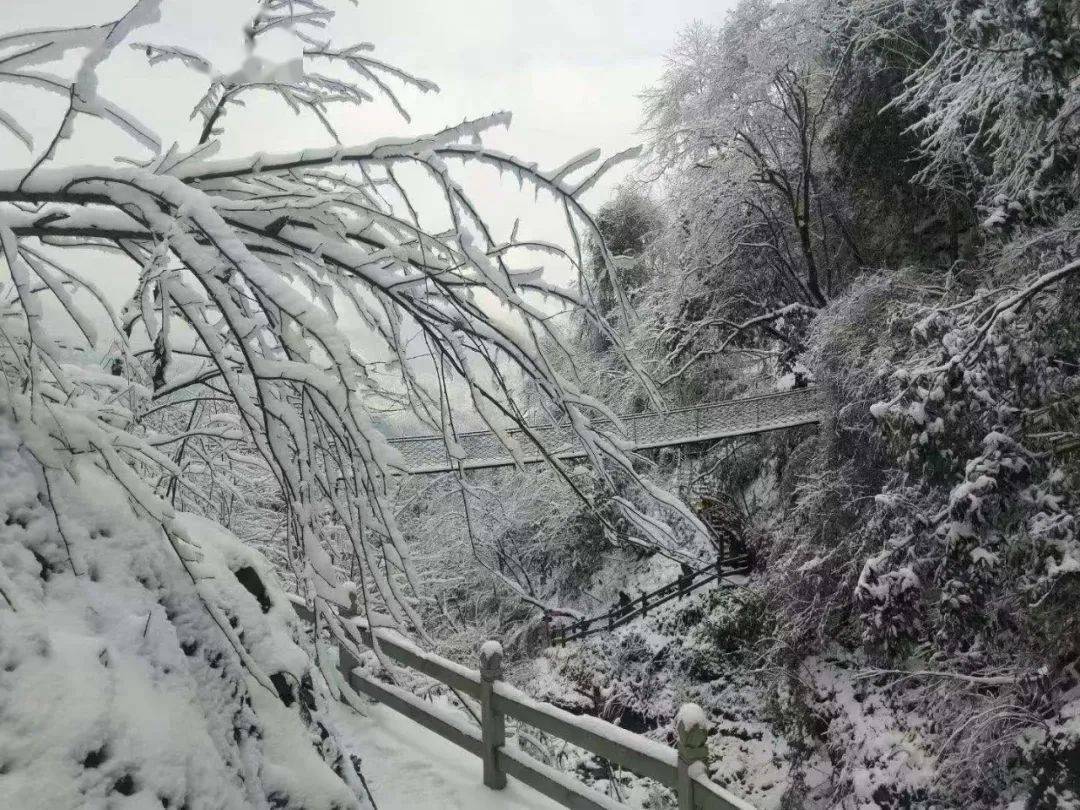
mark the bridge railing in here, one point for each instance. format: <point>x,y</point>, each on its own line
<point>682,769</point>
<point>482,448</point>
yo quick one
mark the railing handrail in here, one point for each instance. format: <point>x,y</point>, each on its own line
<point>674,768</point>
<point>676,588</point>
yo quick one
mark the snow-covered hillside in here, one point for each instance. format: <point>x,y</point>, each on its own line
<point>148,665</point>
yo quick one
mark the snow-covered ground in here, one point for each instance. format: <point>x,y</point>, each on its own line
<point>408,767</point>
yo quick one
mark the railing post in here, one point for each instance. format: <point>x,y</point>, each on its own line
<point>692,730</point>
<point>347,662</point>
<point>492,723</point>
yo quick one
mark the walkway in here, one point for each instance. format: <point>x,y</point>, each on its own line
<point>706,422</point>
<point>408,767</point>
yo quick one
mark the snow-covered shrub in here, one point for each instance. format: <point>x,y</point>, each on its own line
<point>938,529</point>
<point>618,676</point>
<point>719,629</point>
<point>1051,752</point>
<point>993,516</point>
<point>816,545</point>
<point>991,93</point>
<point>884,756</point>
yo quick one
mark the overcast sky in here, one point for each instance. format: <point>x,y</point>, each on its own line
<point>570,71</point>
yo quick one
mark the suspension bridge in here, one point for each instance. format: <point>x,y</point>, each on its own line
<point>646,431</point>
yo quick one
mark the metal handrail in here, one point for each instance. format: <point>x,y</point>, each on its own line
<point>641,605</point>
<point>665,432</point>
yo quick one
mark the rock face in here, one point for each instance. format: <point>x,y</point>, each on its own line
<point>148,664</point>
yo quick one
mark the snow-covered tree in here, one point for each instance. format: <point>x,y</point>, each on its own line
<point>226,374</point>
<point>757,238</point>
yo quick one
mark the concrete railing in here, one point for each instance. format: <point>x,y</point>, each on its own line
<point>682,769</point>
<point>644,431</point>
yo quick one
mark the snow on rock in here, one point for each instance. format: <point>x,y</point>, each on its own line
<point>139,671</point>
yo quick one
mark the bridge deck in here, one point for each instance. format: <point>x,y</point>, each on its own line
<point>646,431</point>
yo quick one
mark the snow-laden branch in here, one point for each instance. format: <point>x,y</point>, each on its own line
<point>231,338</point>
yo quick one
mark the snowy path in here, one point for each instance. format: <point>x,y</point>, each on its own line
<point>408,767</point>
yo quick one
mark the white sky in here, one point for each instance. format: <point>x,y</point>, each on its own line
<point>569,70</point>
